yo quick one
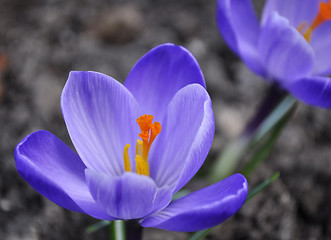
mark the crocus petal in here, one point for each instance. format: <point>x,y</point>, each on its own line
<point>285,52</point>
<point>56,172</point>
<point>159,74</point>
<point>186,137</point>
<point>321,43</point>
<point>202,209</point>
<point>239,27</point>
<point>296,11</point>
<point>100,114</point>
<point>313,90</point>
<point>128,196</point>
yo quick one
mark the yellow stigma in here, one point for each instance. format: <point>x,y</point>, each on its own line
<point>149,131</point>
<point>323,15</point>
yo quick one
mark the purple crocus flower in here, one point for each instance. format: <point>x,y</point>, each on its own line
<point>110,180</point>
<point>290,45</point>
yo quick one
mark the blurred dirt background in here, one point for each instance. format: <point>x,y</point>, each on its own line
<point>41,41</point>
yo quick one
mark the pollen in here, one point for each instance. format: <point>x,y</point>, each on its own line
<point>149,131</point>
<point>155,130</point>
<point>145,122</point>
<point>144,136</point>
<point>142,167</point>
<point>323,15</point>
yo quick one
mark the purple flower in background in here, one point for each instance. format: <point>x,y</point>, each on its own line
<point>107,178</point>
<point>290,45</point>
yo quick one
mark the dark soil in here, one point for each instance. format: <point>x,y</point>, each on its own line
<point>42,41</point>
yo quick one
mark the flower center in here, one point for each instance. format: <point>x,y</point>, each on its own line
<point>149,131</point>
<point>323,15</point>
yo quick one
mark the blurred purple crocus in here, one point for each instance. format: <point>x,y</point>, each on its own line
<point>290,45</point>
<point>110,180</point>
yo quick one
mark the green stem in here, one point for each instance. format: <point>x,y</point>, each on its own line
<point>117,230</point>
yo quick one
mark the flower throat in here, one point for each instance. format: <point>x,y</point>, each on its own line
<point>148,133</point>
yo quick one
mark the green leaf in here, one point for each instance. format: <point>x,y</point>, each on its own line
<point>266,144</point>
<point>228,159</point>
<point>201,234</point>
<point>262,186</point>
<point>97,226</point>
<point>237,149</point>
<point>282,109</point>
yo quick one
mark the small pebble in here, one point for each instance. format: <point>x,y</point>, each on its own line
<point>119,25</point>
